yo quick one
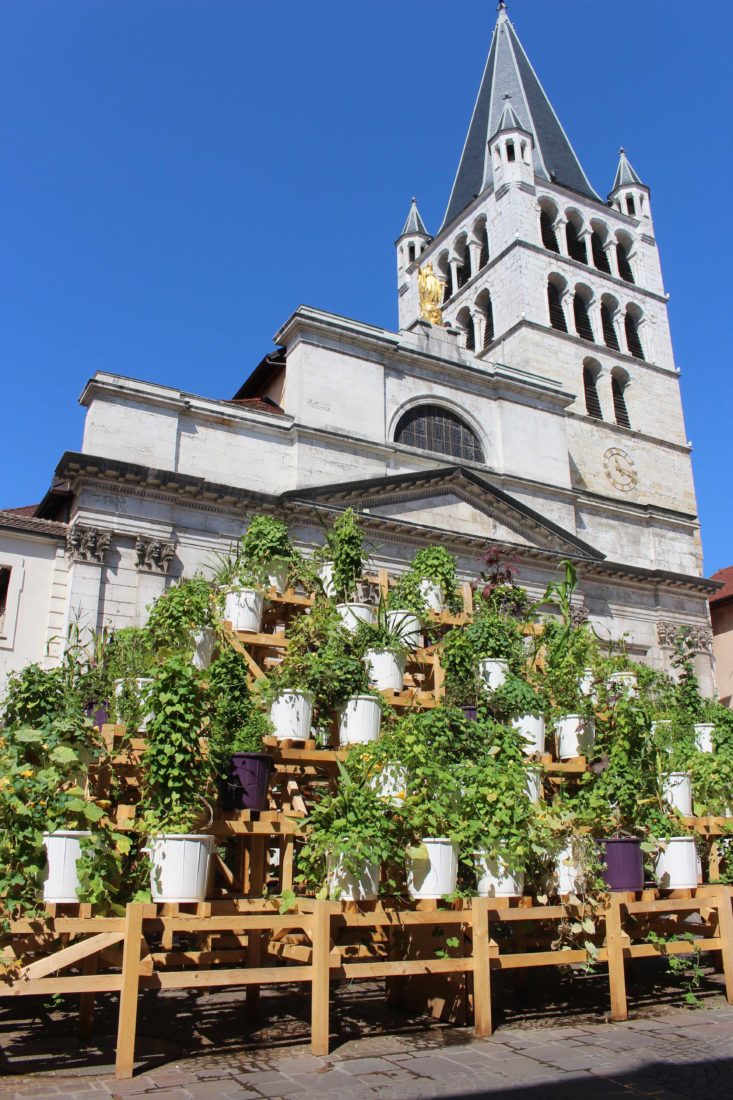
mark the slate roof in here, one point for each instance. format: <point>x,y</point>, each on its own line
<point>414,223</point>
<point>509,72</point>
<point>624,173</point>
<point>20,521</point>
<point>508,120</point>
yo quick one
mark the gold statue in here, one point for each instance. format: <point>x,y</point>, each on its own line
<point>430,289</point>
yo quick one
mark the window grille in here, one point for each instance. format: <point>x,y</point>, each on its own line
<point>432,428</point>
<point>619,402</point>
<point>549,237</point>
<point>447,287</point>
<point>624,267</point>
<point>470,333</point>
<point>557,313</point>
<point>592,401</point>
<point>633,342</point>
<point>610,337</point>
<point>582,320</point>
<point>576,247</point>
<point>600,259</point>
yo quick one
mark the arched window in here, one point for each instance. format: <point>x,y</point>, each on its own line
<point>549,237</point>
<point>600,259</point>
<point>442,269</point>
<point>464,266</point>
<point>432,428</point>
<point>576,247</point>
<point>590,387</point>
<point>624,266</point>
<point>633,343</point>
<point>411,252</point>
<point>557,313</point>
<point>464,320</point>
<point>630,206</point>
<point>619,382</point>
<point>583,326</point>
<point>485,253</point>
<point>610,337</point>
<point>485,308</point>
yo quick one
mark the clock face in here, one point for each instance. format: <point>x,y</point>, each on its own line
<point>620,470</point>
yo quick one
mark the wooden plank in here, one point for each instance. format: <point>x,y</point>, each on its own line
<point>665,905</point>
<point>60,925</point>
<point>69,955</point>
<point>197,979</point>
<point>46,987</point>
<point>616,972</point>
<point>481,967</point>
<point>402,968</point>
<point>320,933</point>
<point>725,925</point>
<point>287,853</point>
<point>130,979</point>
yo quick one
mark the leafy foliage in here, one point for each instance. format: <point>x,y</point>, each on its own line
<point>183,608</point>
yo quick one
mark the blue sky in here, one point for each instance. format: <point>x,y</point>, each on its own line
<point>179,175</point>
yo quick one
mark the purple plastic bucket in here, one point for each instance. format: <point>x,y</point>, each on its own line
<point>246,783</point>
<point>623,863</point>
<point>98,712</point>
<point>470,712</point>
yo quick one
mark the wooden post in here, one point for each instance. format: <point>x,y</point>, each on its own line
<point>90,965</point>
<point>481,967</point>
<point>320,929</point>
<point>127,1023</point>
<point>615,949</point>
<point>725,931</point>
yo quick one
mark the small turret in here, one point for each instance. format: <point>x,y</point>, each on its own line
<point>629,194</point>
<point>411,241</point>
<point>510,149</point>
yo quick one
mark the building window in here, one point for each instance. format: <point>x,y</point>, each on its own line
<point>618,387</point>
<point>633,343</point>
<point>600,259</point>
<point>583,326</point>
<point>576,247</point>
<point>411,252</point>
<point>464,268</point>
<point>549,237</point>
<point>624,267</point>
<point>630,205</point>
<point>432,428</point>
<point>510,151</point>
<point>488,312</point>
<point>484,256</point>
<point>592,401</point>
<point>557,313</point>
<point>609,329</point>
<point>4,588</point>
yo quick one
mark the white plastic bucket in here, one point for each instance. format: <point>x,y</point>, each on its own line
<point>203,647</point>
<point>568,873</point>
<point>532,729</point>
<point>63,848</point>
<point>432,593</point>
<point>533,784</point>
<point>180,866</point>
<point>386,669</point>
<point>435,871</point>
<point>625,683</point>
<point>243,609</point>
<point>141,683</point>
<point>277,575</point>
<point>359,720</point>
<point>344,886</point>
<point>354,613</point>
<point>390,784</point>
<point>407,628</point>
<point>677,791</point>
<point>586,683</point>
<point>493,671</point>
<point>290,714</point>
<point>494,879</point>
<point>675,866</point>
<point>704,736</point>
<point>575,736</point>
<point>326,574</point>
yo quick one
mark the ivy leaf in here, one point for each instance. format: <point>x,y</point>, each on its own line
<point>64,754</point>
<point>288,901</point>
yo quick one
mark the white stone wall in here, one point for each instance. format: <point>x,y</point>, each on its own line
<point>33,620</point>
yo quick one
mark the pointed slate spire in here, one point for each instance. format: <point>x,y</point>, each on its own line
<point>414,223</point>
<point>625,174</point>
<point>509,72</point>
<point>508,120</point>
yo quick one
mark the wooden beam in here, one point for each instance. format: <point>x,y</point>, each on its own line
<point>616,972</point>
<point>69,955</point>
<point>130,981</point>
<point>320,933</point>
<point>481,967</point>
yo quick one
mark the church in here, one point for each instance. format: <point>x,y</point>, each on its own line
<point>529,400</point>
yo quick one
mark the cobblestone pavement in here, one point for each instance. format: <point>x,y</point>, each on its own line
<point>679,1054</point>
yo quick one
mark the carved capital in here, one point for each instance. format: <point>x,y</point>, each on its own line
<point>87,544</point>
<point>154,555</point>
<point>700,638</point>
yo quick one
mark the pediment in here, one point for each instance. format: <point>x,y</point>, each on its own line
<point>453,501</point>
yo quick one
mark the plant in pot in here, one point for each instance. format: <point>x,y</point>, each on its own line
<point>176,775</point>
<point>341,559</point>
<point>131,662</point>
<point>434,570</point>
<point>497,831</point>
<point>520,704</point>
<point>183,619</point>
<point>266,552</point>
<point>712,773</point>
<point>496,640</point>
<point>238,729</point>
<point>383,650</point>
<point>349,834</point>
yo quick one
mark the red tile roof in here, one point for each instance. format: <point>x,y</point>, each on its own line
<point>15,520</point>
<point>258,404</point>
<point>726,592</point>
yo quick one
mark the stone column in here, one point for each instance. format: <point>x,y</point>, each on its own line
<point>86,548</point>
<point>153,559</point>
